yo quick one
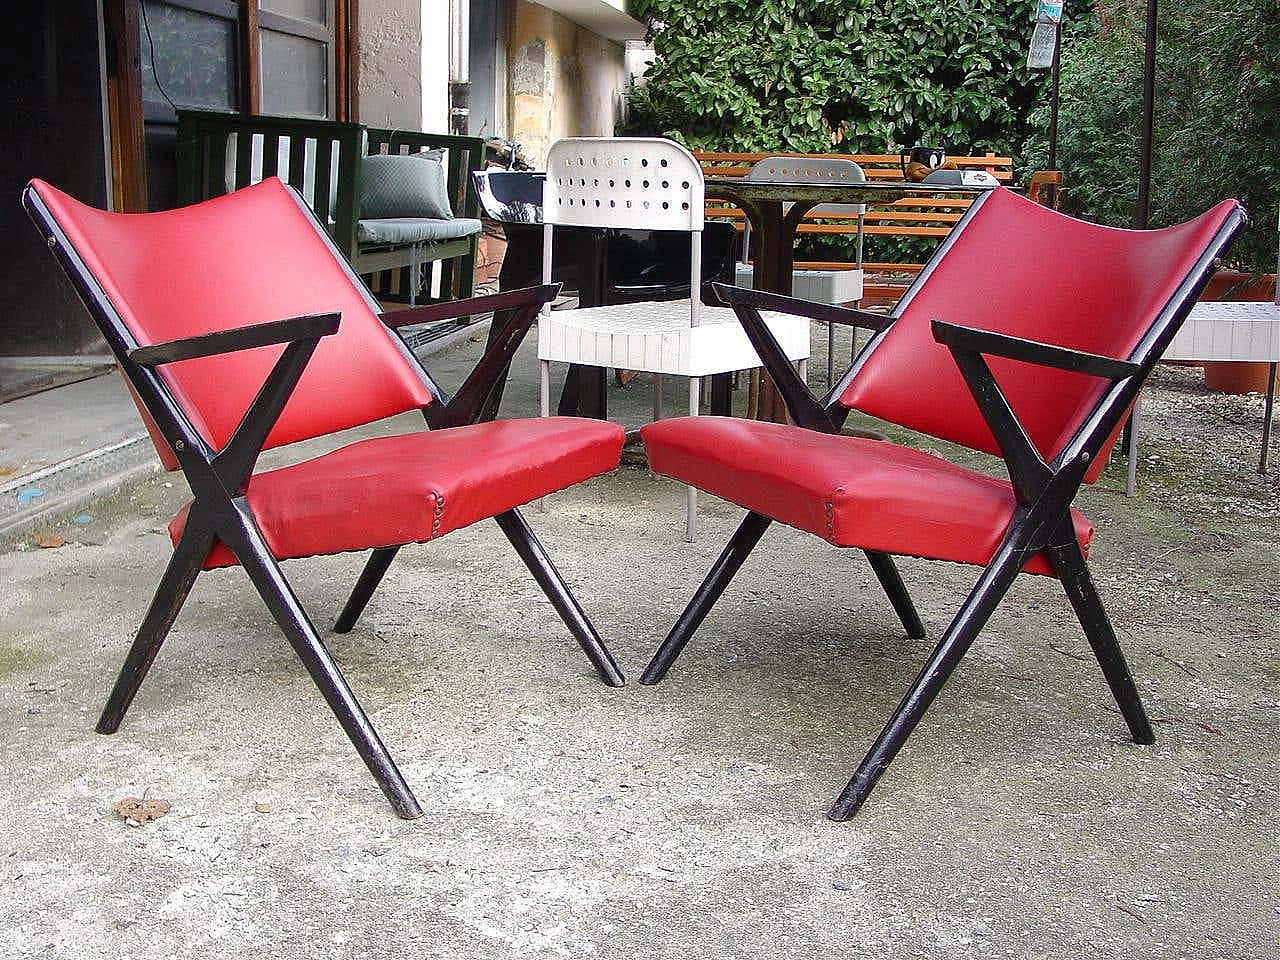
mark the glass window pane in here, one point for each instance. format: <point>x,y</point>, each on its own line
<point>195,56</point>
<point>295,75</point>
<point>315,10</point>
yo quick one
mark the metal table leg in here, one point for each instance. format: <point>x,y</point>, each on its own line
<point>1266,416</point>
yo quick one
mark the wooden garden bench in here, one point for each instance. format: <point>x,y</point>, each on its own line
<point>910,217</point>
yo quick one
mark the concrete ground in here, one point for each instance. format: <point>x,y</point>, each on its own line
<point>566,819</point>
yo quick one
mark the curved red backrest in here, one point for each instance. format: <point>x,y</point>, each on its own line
<point>1022,269</point>
<point>248,257</point>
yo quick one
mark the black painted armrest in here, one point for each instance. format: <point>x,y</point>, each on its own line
<point>311,327</point>
<point>1030,351</point>
<point>804,408</point>
<point>1028,471</point>
<point>825,312</point>
<point>453,309</point>
<point>471,403</point>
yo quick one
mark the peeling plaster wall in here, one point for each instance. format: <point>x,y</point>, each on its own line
<point>391,63</point>
<point>564,80</point>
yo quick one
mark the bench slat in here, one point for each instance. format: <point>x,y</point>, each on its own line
<point>908,217</point>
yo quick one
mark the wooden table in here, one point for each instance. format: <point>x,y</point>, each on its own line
<point>776,209</point>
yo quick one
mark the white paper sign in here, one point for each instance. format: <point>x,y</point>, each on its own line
<point>1040,56</point>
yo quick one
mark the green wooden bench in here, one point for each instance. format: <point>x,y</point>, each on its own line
<point>221,152</point>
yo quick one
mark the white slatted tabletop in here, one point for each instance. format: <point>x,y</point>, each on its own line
<point>1229,330</point>
<point>1232,331</point>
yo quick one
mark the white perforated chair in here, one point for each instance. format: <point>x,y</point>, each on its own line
<point>643,184</point>
<point>824,286</point>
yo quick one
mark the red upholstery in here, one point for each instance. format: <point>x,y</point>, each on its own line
<point>409,489</point>
<point>849,491</point>
<point>1023,269</point>
<point>245,258</point>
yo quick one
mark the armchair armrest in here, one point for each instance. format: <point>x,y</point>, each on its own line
<point>471,404</point>
<point>804,408</point>
<point>972,340</point>
<point>453,309</point>
<point>233,465</point>
<point>825,312</point>
<point>311,327</point>
<point>1028,471</point>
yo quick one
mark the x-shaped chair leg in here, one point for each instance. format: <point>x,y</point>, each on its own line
<point>994,582</point>
<point>171,593</point>
<point>263,569</point>
<point>1069,564</point>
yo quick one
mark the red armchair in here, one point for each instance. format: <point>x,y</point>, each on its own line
<point>1035,361</point>
<point>191,303</point>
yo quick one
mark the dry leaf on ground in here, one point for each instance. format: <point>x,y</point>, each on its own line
<point>49,540</point>
<point>138,811</point>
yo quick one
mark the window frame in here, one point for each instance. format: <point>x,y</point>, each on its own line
<point>122,20</point>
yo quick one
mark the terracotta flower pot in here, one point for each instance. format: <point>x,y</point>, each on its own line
<point>489,253</point>
<point>1227,377</point>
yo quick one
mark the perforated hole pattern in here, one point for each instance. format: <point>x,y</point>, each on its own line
<point>823,170</point>
<point>627,183</point>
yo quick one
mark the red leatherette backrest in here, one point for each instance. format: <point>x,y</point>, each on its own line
<point>245,258</point>
<point>1022,269</point>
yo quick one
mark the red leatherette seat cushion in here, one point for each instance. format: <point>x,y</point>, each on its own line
<point>408,489</point>
<point>1023,269</point>
<point>248,257</point>
<point>850,491</point>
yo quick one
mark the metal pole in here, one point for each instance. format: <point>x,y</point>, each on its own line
<point>1148,118</point>
<point>459,66</point>
<point>1053,96</point>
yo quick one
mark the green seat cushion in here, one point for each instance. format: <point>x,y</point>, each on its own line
<point>395,186</point>
<point>398,230</point>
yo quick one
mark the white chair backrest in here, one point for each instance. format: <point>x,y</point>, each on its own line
<point>813,170</point>
<point>632,183</point>
<point>627,183</point>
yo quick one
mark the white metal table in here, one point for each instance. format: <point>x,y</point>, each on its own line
<point>1232,331</point>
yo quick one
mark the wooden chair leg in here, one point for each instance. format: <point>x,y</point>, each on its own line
<point>987,593</point>
<point>887,573</point>
<point>1072,569</point>
<point>184,566</point>
<point>557,591</point>
<point>721,403</point>
<point>264,571</point>
<point>731,559</point>
<point>370,577</point>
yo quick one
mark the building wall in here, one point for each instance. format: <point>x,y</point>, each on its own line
<point>564,80</point>
<point>391,61</point>
<point>435,66</point>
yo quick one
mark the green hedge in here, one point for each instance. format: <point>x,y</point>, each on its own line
<point>798,75</point>
<point>1217,124</point>
<point>819,76</point>
<point>838,76</point>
